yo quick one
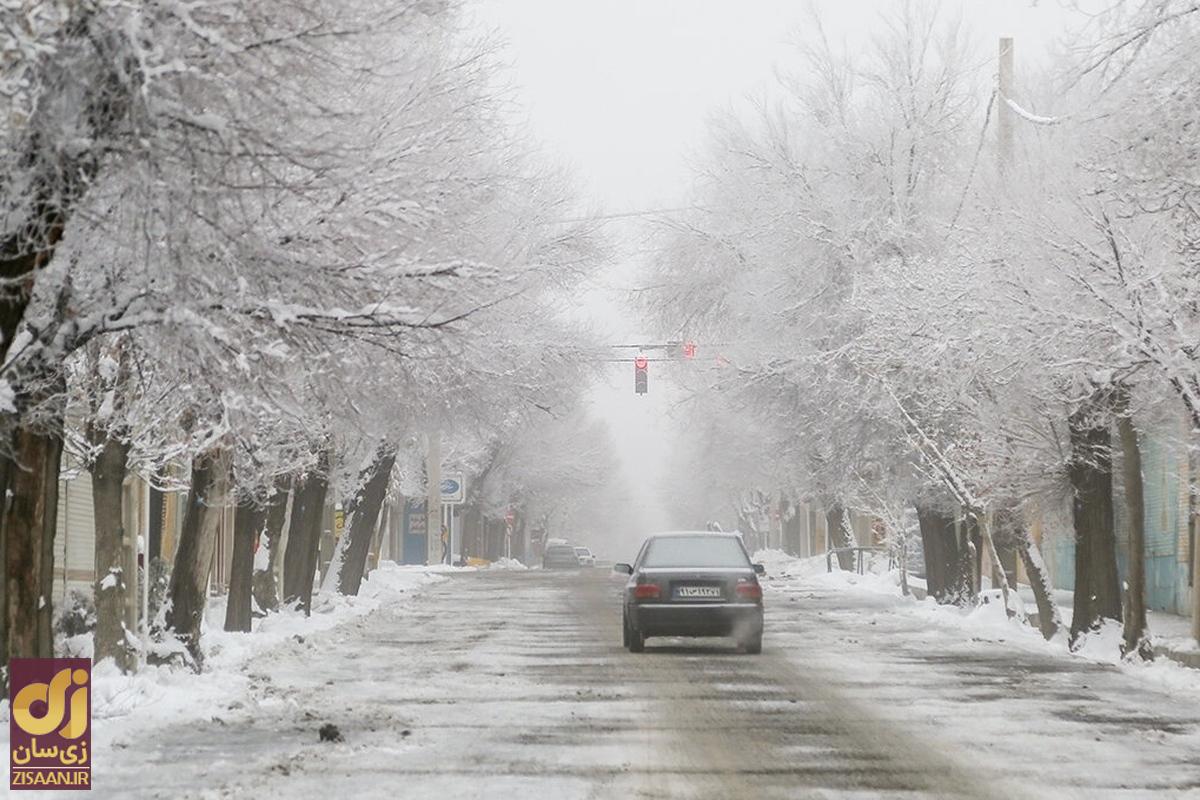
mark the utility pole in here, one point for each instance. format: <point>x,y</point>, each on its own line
<point>129,536</point>
<point>1004,118</point>
<point>1194,528</point>
<point>433,499</point>
<point>1193,524</point>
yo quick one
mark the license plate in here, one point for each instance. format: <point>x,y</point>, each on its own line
<point>696,592</point>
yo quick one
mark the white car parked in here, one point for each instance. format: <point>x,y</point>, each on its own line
<point>586,559</point>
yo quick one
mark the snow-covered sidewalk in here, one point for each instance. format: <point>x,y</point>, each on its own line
<point>1036,719</point>
<point>788,574</point>
<point>166,695</point>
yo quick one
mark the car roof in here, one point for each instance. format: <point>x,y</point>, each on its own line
<point>716,534</point>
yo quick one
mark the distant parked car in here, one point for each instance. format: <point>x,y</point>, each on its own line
<point>585,557</point>
<point>560,556</point>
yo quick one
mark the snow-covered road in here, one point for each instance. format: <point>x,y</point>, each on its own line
<point>514,684</point>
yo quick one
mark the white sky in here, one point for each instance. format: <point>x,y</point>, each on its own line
<point>620,90</point>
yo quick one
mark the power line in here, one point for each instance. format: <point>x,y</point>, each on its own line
<point>647,359</point>
<point>647,212</point>
<point>669,345</point>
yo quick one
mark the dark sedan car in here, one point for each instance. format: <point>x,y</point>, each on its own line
<point>693,584</point>
<point>560,556</point>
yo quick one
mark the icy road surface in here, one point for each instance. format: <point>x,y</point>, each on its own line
<point>510,684</point>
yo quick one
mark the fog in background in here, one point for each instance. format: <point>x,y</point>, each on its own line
<point>621,92</point>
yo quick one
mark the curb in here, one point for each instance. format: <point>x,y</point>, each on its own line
<point>1188,658</point>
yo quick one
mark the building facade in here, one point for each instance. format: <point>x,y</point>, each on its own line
<point>1169,524</point>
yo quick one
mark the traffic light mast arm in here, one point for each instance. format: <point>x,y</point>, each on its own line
<point>675,351</point>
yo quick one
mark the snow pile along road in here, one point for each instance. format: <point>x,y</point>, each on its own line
<point>507,563</point>
<point>162,695</point>
<point>780,566</point>
<point>790,578</point>
<point>814,571</point>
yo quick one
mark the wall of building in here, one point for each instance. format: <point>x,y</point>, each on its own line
<point>75,534</point>
<point>1166,475</point>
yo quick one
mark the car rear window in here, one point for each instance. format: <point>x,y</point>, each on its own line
<point>695,551</point>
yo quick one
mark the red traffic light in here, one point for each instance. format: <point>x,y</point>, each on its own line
<point>640,376</point>
<point>689,350</point>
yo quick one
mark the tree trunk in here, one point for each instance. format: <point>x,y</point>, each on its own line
<point>520,535</point>
<point>248,522</point>
<point>947,560</point>
<point>971,551</point>
<point>364,510</point>
<point>29,476</point>
<point>931,524</point>
<point>304,535</point>
<point>998,574</point>
<point>968,559</point>
<point>380,540</point>
<point>29,525</point>
<point>296,554</point>
<point>22,255</point>
<point>1135,640</point>
<point>266,592</point>
<point>197,543</point>
<point>59,178</point>
<point>1097,591</point>
<point>319,535</point>
<point>1049,620</point>
<point>6,466</point>
<point>839,536</point>
<point>298,563</point>
<point>108,482</point>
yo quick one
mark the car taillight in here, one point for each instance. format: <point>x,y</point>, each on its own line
<point>749,590</point>
<point>646,591</point>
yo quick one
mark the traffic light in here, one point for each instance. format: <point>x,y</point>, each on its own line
<point>683,351</point>
<point>639,374</point>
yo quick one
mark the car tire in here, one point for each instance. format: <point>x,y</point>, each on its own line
<point>753,645</point>
<point>624,631</point>
<point>636,640</point>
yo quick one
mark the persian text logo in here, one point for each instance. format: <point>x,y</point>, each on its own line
<point>50,724</point>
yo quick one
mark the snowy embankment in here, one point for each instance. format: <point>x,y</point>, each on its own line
<point>986,622</point>
<point>507,563</point>
<point>160,695</point>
